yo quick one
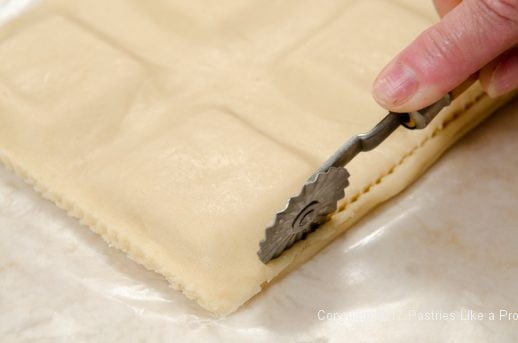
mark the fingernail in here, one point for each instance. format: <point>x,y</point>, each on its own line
<point>396,85</point>
<point>503,79</point>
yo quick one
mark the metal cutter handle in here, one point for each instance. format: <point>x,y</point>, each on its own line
<point>420,119</point>
<point>371,139</point>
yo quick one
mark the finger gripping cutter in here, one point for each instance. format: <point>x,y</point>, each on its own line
<point>318,198</point>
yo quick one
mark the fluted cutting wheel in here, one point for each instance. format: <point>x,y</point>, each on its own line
<point>304,212</point>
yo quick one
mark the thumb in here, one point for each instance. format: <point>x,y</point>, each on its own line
<point>442,57</point>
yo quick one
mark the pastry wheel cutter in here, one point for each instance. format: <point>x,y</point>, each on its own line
<point>318,198</point>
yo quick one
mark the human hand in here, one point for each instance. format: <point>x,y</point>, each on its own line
<point>473,35</point>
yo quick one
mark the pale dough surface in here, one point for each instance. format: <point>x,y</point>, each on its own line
<point>176,130</point>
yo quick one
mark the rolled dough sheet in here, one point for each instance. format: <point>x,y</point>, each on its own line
<point>177,129</point>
